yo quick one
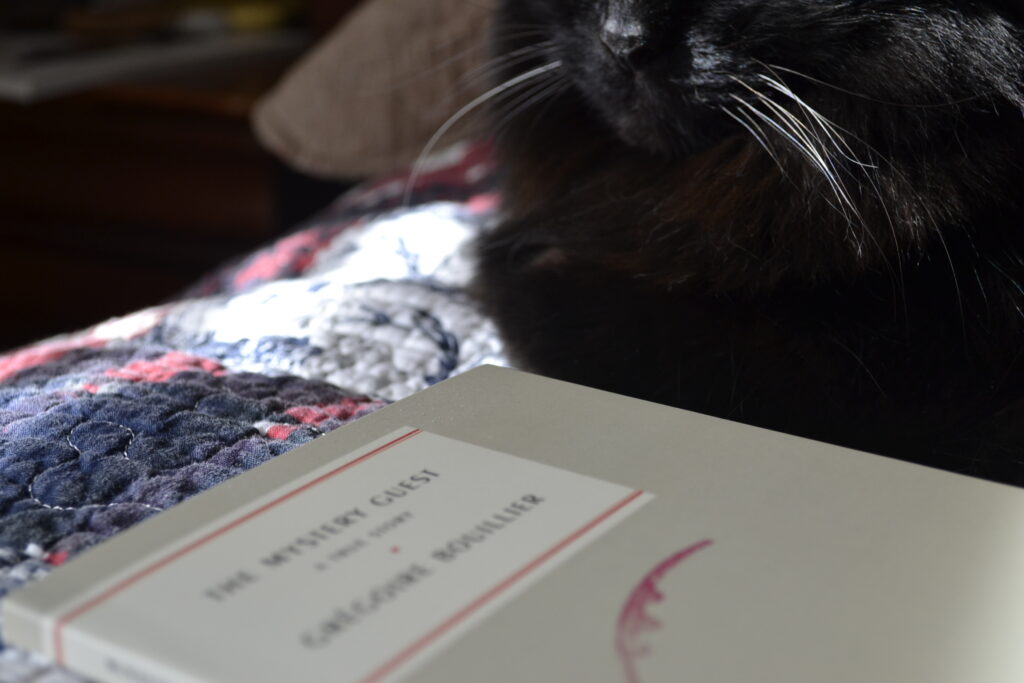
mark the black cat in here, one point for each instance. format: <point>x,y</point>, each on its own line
<point>806,215</point>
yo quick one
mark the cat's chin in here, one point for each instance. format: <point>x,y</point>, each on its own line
<point>658,140</point>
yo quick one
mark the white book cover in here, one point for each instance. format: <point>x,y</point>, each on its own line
<point>506,527</point>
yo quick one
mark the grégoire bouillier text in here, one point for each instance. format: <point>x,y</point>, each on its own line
<point>355,526</point>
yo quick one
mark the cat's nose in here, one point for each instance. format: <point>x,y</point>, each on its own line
<point>629,43</point>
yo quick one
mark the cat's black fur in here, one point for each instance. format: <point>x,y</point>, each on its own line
<point>664,235</point>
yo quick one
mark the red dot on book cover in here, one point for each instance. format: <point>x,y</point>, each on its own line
<point>394,549</point>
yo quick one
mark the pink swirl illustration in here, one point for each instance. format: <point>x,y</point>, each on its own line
<point>635,621</point>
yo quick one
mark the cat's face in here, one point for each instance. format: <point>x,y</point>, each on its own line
<point>674,76</point>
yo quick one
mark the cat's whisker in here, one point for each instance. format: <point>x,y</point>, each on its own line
<point>809,152</point>
<point>767,138</point>
<point>778,84</point>
<point>838,140</point>
<point>797,126</point>
<point>465,81</point>
<point>546,97</point>
<point>564,84</point>
<point>814,147</point>
<point>869,98</point>
<point>489,70</point>
<point>524,77</point>
<point>831,129</point>
<point>801,133</point>
<point>758,134</point>
<point>401,80</point>
<point>513,55</point>
<point>541,89</point>
<point>813,141</point>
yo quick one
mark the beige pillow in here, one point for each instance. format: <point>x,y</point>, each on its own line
<point>367,99</point>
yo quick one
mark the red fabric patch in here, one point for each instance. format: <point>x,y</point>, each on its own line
<point>484,203</point>
<point>13,363</point>
<point>281,432</point>
<point>317,415</point>
<point>294,253</point>
<point>165,367</point>
<point>56,559</point>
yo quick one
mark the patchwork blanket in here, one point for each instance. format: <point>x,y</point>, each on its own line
<point>366,305</point>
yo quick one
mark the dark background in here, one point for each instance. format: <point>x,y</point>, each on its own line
<point>118,197</point>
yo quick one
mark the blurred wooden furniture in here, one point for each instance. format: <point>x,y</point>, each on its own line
<point>118,198</point>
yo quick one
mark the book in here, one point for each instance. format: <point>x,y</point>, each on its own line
<point>506,527</point>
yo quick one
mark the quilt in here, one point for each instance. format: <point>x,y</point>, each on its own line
<point>366,304</point>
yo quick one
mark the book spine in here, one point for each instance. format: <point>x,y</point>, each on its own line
<point>94,658</point>
<point>24,627</point>
<point>113,669</point>
<point>104,661</point>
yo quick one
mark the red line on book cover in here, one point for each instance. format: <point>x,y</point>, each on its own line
<point>414,649</point>
<point>58,645</point>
